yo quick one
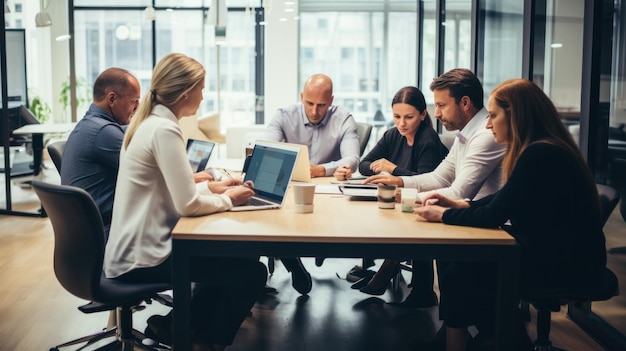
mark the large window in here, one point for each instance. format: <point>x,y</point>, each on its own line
<point>103,41</point>
<point>457,36</point>
<point>122,36</point>
<point>562,62</point>
<point>369,49</point>
<point>503,31</point>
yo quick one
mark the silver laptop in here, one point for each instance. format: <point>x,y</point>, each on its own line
<point>198,153</point>
<point>302,173</point>
<point>270,169</point>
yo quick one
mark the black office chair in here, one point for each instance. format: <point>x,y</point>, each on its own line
<point>78,257</point>
<point>546,302</point>
<point>55,150</point>
<point>364,131</point>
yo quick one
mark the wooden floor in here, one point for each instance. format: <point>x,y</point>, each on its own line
<point>37,313</point>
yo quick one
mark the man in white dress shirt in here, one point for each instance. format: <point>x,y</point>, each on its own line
<point>472,168</point>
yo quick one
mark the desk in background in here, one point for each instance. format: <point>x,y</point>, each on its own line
<point>37,131</point>
<point>340,228</point>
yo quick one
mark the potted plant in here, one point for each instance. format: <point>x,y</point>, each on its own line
<point>40,109</point>
<point>83,93</point>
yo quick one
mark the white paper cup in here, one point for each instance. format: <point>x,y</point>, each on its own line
<point>299,208</point>
<point>303,195</point>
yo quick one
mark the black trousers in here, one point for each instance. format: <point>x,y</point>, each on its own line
<point>225,290</point>
<point>468,295</point>
<point>423,277</point>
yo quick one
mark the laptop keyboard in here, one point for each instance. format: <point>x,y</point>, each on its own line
<point>256,202</point>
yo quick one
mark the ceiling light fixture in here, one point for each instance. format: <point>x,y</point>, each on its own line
<point>42,19</point>
<point>149,13</point>
<point>217,17</point>
<point>7,9</point>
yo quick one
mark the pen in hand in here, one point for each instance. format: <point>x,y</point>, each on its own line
<point>227,173</point>
<point>343,172</point>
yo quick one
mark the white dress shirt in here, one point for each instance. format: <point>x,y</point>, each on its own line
<point>332,143</point>
<point>155,188</point>
<point>472,169</point>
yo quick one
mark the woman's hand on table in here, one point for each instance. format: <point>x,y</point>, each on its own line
<point>239,195</point>
<point>443,201</point>
<point>382,165</point>
<point>202,176</point>
<point>434,205</point>
<point>431,213</point>
<point>220,186</point>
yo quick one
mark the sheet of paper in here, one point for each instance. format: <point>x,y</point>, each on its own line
<point>327,189</point>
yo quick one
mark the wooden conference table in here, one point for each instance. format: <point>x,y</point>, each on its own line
<point>340,228</point>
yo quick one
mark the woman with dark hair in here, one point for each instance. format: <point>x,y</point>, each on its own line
<point>411,147</point>
<point>549,197</point>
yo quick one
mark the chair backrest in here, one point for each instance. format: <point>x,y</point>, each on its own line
<point>364,131</point>
<point>609,198</point>
<point>78,237</point>
<point>379,117</point>
<point>608,287</point>
<point>55,150</point>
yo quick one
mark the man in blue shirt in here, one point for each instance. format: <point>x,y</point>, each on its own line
<point>330,134</point>
<point>91,155</point>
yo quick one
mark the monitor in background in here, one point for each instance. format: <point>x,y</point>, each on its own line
<point>198,153</point>
<point>19,116</point>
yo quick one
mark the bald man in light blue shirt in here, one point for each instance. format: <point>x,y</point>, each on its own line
<point>329,131</point>
<point>330,134</point>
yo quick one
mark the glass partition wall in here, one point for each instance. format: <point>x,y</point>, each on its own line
<point>368,48</point>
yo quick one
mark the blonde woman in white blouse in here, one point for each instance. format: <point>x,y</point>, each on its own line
<point>155,188</point>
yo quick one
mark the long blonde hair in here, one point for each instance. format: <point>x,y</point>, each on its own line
<point>173,76</point>
<point>532,118</point>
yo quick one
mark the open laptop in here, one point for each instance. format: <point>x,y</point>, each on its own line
<point>270,169</point>
<point>198,153</point>
<point>302,172</point>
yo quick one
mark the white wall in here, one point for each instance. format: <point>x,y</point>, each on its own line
<point>60,54</point>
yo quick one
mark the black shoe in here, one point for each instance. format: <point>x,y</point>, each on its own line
<point>371,291</point>
<point>357,273</point>
<point>417,301</point>
<point>361,283</point>
<point>301,279</point>
<point>301,282</point>
<point>319,261</point>
<point>160,328</point>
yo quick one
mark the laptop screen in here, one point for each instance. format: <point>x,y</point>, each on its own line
<point>198,153</point>
<point>302,172</point>
<point>270,169</point>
